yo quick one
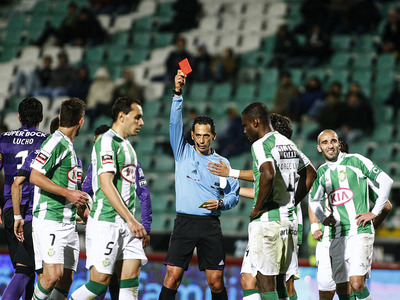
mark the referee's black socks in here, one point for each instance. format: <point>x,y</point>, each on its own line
<point>167,294</point>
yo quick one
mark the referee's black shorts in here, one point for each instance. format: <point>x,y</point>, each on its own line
<point>20,252</point>
<point>201,232</point>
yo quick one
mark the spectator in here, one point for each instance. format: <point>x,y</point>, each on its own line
<point>88,30</point>
<point>317,49</point>
<point>336,88</point>
<point>285,94</point>
<point>338,16</point>
<point>65,32</point>
<point>313,12</point>
<point>313,93</point>
<point>358,119</point>
<point>110,7</point>
<point>79,88</point>
<point>355,88</point>
<point>224,67</point>
<point>38,78</point>
<point>202,64</point>
<point>172,62</point>
<point>365,16</point>
<point>185,17</point>
<point>232,140</point>
<point>99,99</point>
<point>60,78</point>
<point>391,33</point>
<point>329,115</point>
<point>126,86</point>
<point>285,50</point>
<point>394,99</point>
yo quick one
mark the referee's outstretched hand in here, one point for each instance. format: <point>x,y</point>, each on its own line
<point>180,81</point>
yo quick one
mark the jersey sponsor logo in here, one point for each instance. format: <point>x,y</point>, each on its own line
<point>129,173</point>
<point>43,157</point>
<point>75,175</point>
<point>142,182</point>
<point>340,196</point>
<point>107,157</point>
<point>342,175</point>
<point>25,133</point>
<point>287,151</point>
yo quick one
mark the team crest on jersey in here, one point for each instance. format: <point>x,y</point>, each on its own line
<point>129,173</point>
<point>43,157</point>
<point>106,262</point>
<point>106,157</point>
<point>342,176</point>
<point>75,175</point>
<point>51,252</point>
<point>340,196</point>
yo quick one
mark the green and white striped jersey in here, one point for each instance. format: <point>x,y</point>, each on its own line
<point>345,183</point>
<point>288,160</point>
<point>57,160</point>
<point>112,153</point>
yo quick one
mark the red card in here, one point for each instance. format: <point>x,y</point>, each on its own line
<point>185,66</point>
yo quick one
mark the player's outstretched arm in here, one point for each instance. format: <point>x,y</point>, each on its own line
<point>16,196</point>
<point>223,170</point>
<point>246,192</point>
<point>74,196</point>
<point>110,191</point>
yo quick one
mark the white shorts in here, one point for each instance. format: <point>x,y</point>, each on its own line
<point>246,264</point>
<point>107,243</point>
<point>324,275</point>
<point>55,243</point>
<point>293,269</point>
<point>271,246</point>
<point>351,256</point>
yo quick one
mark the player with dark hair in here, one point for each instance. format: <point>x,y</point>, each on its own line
<point>284,126</point>
<point>15,146</point>
<point>114,238</point>
<point>142,192</point>
<point>198,202</point>
<point>56,175</point>
<point>344,179</point>
<point>277,164</point>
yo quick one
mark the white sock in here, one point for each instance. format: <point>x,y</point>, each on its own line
<point>128,293</point>
<point>38,294</point>
<point>56,295</point>
<point>82,294</point>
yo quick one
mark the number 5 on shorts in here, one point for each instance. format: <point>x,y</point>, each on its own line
<point>109,245</point>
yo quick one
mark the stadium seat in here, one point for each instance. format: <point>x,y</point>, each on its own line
<point>162,222</point>
<point>137,56</point>
<point>340,60</point>
<point>143,24</point>
<point>198,91</point>
<point>362,61</point>
<point>221,92</point>
<point>141,40</point>
<point>145,144</point>
<point>164,163</point>
<point>363,43</point>
<point>116,54</point>
<point>270,77</point>
<point>386,62</point>
<point>161,184</point>
<point>341,42</point>
<point>245,93</point>
<point>162,40</point>
<point>8,53</point>
<point>95,55</point>
<point>120,39</point>
<point>383,132</point>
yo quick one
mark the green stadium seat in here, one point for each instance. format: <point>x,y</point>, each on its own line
<point>95,54</point>
<point>320,73</point>
<point>145,144</point>
<point>218,109</point>
<point>162,202</point>
<point>162,222</point>
<point>241,162</point>
<point>222,91</point>
<point>162,184</point>
<point>8,53</point>
<point>116,54</point>
<point>382,153</point>
<point>146,160</point>
<point>165,9</point>
<point>250,59</point>
<point>198,91</point>
<point>120,39</point>
<point>340,60</point>
<point>270,77</point>
<point>100,120</point>
<point>141,40</point>
<point>16,22</point>
<point>386,62</point>
<point>339,75</point>
<point>383,131</point>
<point>309,148</point>
<point>362,61</point>
<point>162,40</point>
<point>42,8</point>
<point>341,43</point>
<point>164,163</point>
<point>245,93</point>
<point>143,24</point>
<point>361,147</point>
<point>363,77</point>
<point>12,38</point>
<point>115,70</point>
<point>268,44</point>
<point>363,43</point>
<point>137,56</point>
<point>266,93</point>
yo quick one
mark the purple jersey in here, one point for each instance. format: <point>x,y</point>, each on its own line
<point>15,147</point>
<point>142,191</point>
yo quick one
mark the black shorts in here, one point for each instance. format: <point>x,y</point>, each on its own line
<point>201,232</point>
<point>20,252</point>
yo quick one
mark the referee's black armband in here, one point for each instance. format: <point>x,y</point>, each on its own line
<point>23,173</point>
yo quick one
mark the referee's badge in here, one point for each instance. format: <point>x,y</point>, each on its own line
<point>51,252</point>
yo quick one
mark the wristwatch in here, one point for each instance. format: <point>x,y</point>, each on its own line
<point>176,92</point>
<point>220,204</point>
